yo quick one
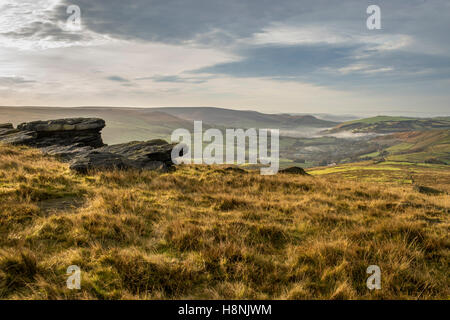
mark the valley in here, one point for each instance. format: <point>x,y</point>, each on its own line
<point>305,140</point>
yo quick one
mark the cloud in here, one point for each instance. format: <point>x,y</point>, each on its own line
<point>40,24</point>
<point>221,23</point>
<point>318,42</point>
<point>175,79</point>
<point>12,81</point>
<point>281,34</point>
<point>278,61</point>
<point>185,47</point>
<point>364,68</point>
<point>344,65</point>
<point>117,79</point>
<point>178,21</point>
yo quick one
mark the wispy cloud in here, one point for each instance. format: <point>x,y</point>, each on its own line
<point>175,79</point>
<point>41,24</point>
<point>117,79</point>
<point>11,81</point>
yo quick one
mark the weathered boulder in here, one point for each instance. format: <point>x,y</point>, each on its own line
<point>82,132</point>
<point>79,140</point>
<point>4,131</point>
<point>109,161</point>
<point>143,152</point>
<point>85,131</point>
<point>16,137</point>
<point>66,153</point>
<point>99,160</point>
<point>7,128</point>
<point>61,125</point>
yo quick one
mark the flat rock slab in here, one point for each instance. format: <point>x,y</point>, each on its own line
<point>99,160</point>
<point>70,124</point>
<point>66,153</point>
<point>6,126</point>
<point>18,138</point>
<point>82,132</point>
<point>5,131</point>
<point>142,151</point>
<point>110,161</point>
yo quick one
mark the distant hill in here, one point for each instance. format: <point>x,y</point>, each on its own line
<point>126,124</point>
<point>387,124</point>
<point>329,117</point>
<point>122,124</point>
<point>246,118</point>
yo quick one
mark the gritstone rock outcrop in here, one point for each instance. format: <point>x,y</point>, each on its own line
<point>79,141</point>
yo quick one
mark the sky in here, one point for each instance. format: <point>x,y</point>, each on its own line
<point>293,56</point>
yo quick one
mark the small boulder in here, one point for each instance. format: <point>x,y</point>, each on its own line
<point>99,160</point>
<point>427,190</point>
<point>235,169</point>
<point>110,161</point>
<point>435,161</point>
<point>294,170</point>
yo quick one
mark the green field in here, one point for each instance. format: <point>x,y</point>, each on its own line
<point>388,124</point>
<point>378,119</point>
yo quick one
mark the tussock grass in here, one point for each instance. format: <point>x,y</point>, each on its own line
<point>204,232</point>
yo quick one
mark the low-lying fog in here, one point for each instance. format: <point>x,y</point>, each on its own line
<point>304,132</point>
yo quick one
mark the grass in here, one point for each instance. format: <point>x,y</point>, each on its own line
<point>207,233</point>
<point>370,155</point>
<point>400,147</point>
<point>378,119</point>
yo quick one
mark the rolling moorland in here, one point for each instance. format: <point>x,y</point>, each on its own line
<point>210,232</point>
<point>386,124</point>
<point>217,232</point>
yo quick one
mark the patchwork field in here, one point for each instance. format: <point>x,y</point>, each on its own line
<point>208,232</point>
<point>388,124</point>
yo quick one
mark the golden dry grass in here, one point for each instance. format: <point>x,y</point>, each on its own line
<point>207,233</point>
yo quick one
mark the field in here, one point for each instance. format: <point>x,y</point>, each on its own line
<point>387,124</point>
<point>378,119</point>
<point>208,232</point>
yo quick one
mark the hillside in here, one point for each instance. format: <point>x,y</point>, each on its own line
<point>417,146</point>
<point>246,118</point>
<point>300,143</point>
<point>387,124</point>
<point>206,232</point>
